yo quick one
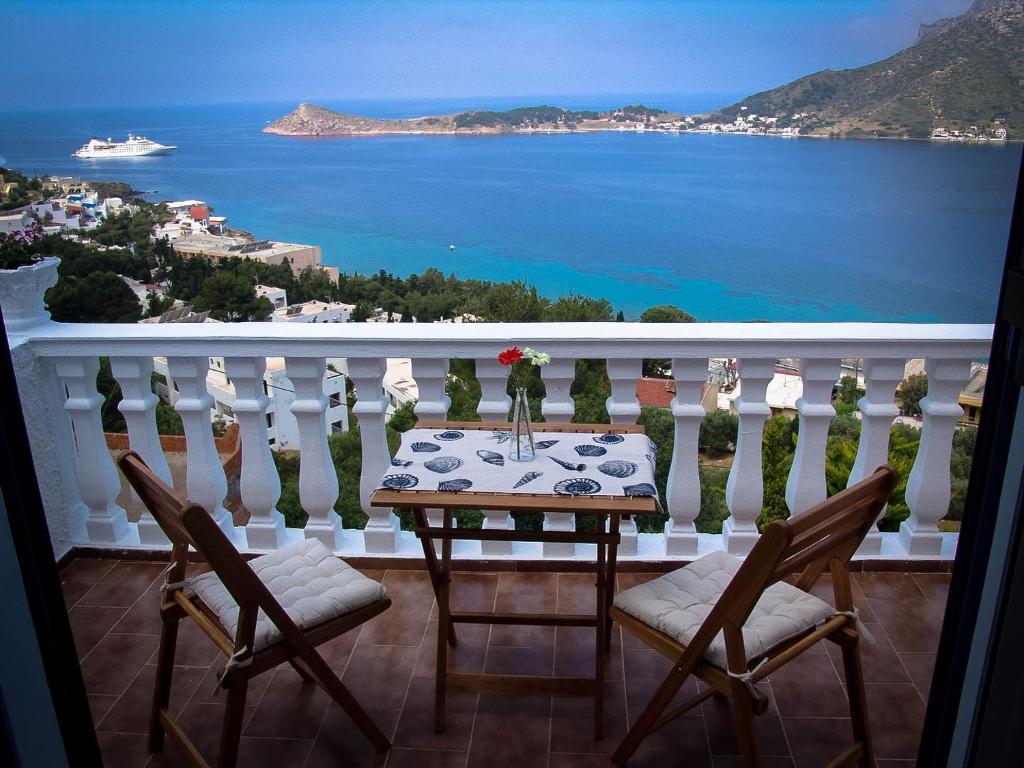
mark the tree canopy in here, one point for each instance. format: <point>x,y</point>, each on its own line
<point>99,297</point>
<point>910,393</point>
<point>231,298</point>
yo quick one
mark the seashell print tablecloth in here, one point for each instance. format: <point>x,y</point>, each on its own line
<point>567,463</point>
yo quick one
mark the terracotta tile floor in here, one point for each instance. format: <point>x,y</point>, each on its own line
<point>388,665</point>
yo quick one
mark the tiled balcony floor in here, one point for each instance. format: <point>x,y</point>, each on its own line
<point>388,665</point>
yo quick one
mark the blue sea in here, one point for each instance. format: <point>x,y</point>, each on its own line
<point>726,227</point>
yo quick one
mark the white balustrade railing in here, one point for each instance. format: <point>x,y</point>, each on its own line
<point>59,362</point>
<point>744,490</point>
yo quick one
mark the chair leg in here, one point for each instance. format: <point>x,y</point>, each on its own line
<point>858,700</point>
<point>231,732</point>
<point>668,688</point>
<point>743,714</point>
<point>337,691</point>
<point>164,673</point>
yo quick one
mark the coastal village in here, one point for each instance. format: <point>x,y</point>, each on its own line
<point>73,208</point>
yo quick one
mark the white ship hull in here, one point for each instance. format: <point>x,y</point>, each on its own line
<point>136,146</point>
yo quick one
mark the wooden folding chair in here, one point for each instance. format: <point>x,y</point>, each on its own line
<point>238,605</point>
<point>732,623</point>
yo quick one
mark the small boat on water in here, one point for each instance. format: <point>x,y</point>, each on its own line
<point>135,146</point>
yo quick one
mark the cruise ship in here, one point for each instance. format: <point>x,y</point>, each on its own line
<point>136,146</point>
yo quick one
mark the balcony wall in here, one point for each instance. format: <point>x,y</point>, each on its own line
<point>56,365</point>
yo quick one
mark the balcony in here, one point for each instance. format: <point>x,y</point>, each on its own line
<point>111,562</point>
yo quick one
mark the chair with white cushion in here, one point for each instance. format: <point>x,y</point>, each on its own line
<point>276,608</point>
<point>732,622</point>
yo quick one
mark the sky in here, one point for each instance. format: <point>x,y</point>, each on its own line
<point>115,53</point>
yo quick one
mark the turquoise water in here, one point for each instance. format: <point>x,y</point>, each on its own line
<point>727,227</point>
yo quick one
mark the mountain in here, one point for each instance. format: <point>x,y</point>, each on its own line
<point>962,72</point>
<point>314,120</point>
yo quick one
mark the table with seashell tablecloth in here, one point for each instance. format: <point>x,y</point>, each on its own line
<point>566,463</point>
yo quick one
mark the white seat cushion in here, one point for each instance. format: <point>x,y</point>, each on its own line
<point>678,602</point>
<point>311,584</point>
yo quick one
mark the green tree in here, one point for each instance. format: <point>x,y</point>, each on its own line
<point>168,420</point>
<point>718,432</point>
<point>910,393</point>
<point>846,395</point>
<point>778,447</point>
<point>666,313</point>
<point>361,313</point>
<point>661,368</point>
<point>403,419</point>
<point>156,304</point>
<point>186,276</point>
<point>231,298</point>
<point>580,309</point>
<point>101,297</point>
<point>515,302</point>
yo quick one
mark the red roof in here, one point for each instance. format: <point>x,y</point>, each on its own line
<point>199,212</point>
<point>656,392</point>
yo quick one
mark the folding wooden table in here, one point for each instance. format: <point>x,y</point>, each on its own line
<point>606,537</point>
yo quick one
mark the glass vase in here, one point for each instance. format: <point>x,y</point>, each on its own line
<point>521,448</point>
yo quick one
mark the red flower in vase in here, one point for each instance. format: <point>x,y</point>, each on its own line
<point>510,356</point>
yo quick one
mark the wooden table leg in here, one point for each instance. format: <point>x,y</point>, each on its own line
<point>444,627</point>
<point>430,555</point>
<point>602,621</point>
<point>613,554</point>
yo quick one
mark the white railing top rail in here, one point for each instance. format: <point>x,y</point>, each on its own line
<point>474,340</point>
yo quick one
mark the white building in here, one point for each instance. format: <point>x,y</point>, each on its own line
<point>282,428</point>
<point>380,316</point>
<point>183,206</point>
<point>312,312</point>
<point>172,230</point>
<point>465,317</point>
<point>14,222</point>
<point>783,391</point>
<point>398,383</point>
<point>276,296</point>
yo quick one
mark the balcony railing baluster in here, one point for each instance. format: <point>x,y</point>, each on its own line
<point>260,486</point>
<point>744,490</point>
<point>318,479</point>
<point>367,375</point>
<point>806,485</point>
<point>494,406</point>
<point>138,406</point>
<point>205,482</point>
<point>98,482</point>
<point>878,412</point>
<point>928,487</point>
<point>431,375</point>
<point>624,408</point>
<point>683,487</point>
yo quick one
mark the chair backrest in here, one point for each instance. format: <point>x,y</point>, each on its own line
<point>159,498</point>
<point>825,536</point>
<point>189,524</point>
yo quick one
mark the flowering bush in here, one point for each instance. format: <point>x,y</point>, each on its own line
<point>532,357</point>
<point>16,248</point>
